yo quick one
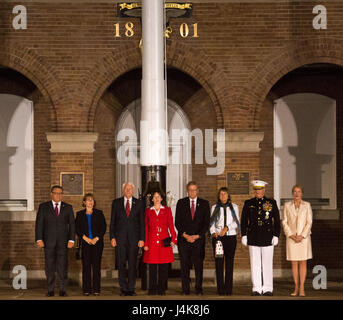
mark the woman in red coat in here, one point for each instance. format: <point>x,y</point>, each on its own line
<point>158,227</point>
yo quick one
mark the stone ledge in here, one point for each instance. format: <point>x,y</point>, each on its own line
<point>72,141</point>
<point>18,215</point>
<point>326,214</point>
<point>243,141</point>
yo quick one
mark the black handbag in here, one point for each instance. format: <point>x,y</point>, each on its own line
<point>167,242</point>
<point>78,252</point>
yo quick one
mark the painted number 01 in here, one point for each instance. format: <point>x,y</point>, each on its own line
<point>184,30</point>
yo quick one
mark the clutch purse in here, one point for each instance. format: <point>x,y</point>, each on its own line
<point>167,241</point>
<point>219,251</point>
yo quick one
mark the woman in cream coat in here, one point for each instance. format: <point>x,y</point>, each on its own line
<point>297,223</point>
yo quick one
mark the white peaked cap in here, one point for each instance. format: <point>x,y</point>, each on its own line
<point>259,184</point>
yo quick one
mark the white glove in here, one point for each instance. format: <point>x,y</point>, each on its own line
<point>275,241</point>
<point>245,240</point>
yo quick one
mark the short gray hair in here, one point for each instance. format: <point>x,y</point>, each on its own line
<point>129,183</point>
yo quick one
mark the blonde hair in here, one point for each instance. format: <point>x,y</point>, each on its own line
<point>299,187</point>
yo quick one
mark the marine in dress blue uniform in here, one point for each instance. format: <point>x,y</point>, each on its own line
<point>260,226</point>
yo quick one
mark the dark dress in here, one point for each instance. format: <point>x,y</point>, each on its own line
<point>91,254</point>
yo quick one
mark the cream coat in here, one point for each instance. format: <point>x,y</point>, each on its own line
<point>298,222</point>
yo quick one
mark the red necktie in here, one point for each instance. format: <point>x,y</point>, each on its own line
<point>127,208</point>
<point>56,209</point>
<point>192,209</point>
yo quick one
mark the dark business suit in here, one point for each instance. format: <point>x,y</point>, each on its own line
<point>192,253</point>
<point>91,254</point>
<point>55,233</point>
<point>127,231</point>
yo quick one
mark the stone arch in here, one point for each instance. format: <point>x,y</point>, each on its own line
<point>179,55</point>
<point>32,66</point>
<point>278,64</point>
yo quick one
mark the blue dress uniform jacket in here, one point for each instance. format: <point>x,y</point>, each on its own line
<point>260,221</point>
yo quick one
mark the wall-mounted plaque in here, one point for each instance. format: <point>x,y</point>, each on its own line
<point>72,183</point>
<point>238,182</point>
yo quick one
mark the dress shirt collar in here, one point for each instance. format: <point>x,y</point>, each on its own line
<point>153,208</point>
<point>125,199</point>
<point>54,204</point>
<point>195,201</point>
<point>157,212</point>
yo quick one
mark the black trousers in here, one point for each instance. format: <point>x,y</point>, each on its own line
<point>191,254</point>
<point>158,276</point>
<point>229,245</point>
<point>127,277</point>
<point>56,259</point>
<point>91,264</point>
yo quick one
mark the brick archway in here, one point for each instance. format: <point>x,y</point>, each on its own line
<point>278,64</point>
<point>28,63</point>
<point>180,56</point>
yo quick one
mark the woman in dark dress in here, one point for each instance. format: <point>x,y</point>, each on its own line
<point>90,226</point>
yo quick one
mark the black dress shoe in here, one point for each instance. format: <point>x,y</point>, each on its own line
<point>255,293</point>
<point>50,294</point>
<point>123,293</point>
<point>199,293</point>
<point>162,293</point>
<point>268,293</point>
<point>131,293</point>
<point>86,294</point>
<point>63,294</point>
<point>185,293</point>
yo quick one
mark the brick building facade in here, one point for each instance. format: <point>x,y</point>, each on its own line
<point>80,78</point>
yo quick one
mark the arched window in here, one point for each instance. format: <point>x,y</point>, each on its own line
<point>305,148</point>
<point>177,174</point>
<point>16,153</point>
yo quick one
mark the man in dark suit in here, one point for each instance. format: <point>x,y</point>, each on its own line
<point>260,226</point>
<point>55,232</point>
<point>192,221</point>
<point>127,233</point>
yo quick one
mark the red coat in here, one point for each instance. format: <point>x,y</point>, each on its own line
<point>158,228</point>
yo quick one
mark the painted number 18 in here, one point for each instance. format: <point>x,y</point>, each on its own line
<point>128,30</point>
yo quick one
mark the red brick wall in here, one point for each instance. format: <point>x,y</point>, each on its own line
<point>107,115</point>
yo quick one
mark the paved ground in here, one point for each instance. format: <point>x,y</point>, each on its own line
<point>282,290</point>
